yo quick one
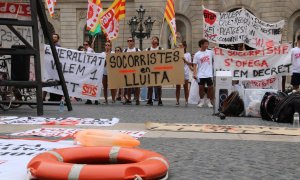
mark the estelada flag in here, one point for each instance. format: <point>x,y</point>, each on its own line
<point>93,12</point>
<point>170,17</point>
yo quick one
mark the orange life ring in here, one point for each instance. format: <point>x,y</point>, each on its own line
<point>98,163</point>
<point>98,137</point>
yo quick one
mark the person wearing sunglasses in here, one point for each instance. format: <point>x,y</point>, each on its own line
<point>131,48</point>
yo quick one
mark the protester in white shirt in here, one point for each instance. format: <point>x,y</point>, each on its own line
<point>203,73</point>
<point>296,65</point>
<point>131,48</point>
<point>154,46</point>
<point>187,62</point>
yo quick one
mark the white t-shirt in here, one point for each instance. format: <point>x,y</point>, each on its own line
<point>204,60</point>
<point>296,60</point>
<point>131,50</point>
<point>90,50</point>
<point>188,58</point>
<point>154,49</point>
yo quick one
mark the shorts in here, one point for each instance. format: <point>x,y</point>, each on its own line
<point>203,81</point>
<point>295,79</point>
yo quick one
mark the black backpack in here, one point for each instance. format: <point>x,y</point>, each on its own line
<point>136,49</point>
<point>285,109</point>
<point>268,103</point>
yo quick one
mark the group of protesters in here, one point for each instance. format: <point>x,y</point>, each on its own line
<point>200,68</point>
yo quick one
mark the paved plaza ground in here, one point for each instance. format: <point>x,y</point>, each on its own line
<point>193,155</point>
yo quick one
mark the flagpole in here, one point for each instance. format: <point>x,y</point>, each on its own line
<point>162,25</point>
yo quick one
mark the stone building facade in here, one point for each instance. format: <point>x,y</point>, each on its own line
<point>70,19</point>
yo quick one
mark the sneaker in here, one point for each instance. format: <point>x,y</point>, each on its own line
<point>201,104</point>
<point>160,103</point>
<point>88,102</point>
<point>137,102</point>
<point>209,103</point>
<point>127,102</point>
<point>177,104</point>
<point>149,103</point>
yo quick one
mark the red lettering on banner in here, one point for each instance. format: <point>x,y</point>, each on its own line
<point>245,53</point>
<point>247,63</point>
<point>89,90</point>
<point>263,83</point>
<point>218,51</point>
<point>297,55</point>
<point>284,49</point>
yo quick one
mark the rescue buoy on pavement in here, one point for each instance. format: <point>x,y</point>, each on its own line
<point>98,137</point>
<point>98,163</point>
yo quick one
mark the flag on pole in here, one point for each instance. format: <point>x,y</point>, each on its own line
<point>111,17</point>
<point>170,17</point>
<point>50,6</point>
<point>119,8</point>
<point>93,12</point>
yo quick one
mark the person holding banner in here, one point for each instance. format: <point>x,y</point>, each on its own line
<point>204,72</point>
<point>154,46</point>
<point>120,91</point>
<point>105,80</point>
<point>187,62</point>
<point>296,65</point>
<point>131,48</point>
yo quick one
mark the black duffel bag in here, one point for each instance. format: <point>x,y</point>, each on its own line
<point>269,102</point>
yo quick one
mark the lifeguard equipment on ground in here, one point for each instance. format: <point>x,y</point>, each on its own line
<point>98,137</point>
<point>99,163</point>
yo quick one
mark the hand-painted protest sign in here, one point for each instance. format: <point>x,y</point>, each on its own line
<point>82,71</point>
<point>58,121</point>
<point>254,64</point>
<point>64,132</point>
<point>217,128</point>
<point>16,154</point>
<point>147,68</point>
<point>240,26</point>
<point>19,11</point>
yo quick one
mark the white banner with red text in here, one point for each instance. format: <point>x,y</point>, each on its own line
<point>254,64</point>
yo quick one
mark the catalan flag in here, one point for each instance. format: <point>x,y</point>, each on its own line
<point>170,17</point>
<point>119,8</point>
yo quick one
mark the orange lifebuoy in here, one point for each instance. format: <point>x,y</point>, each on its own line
<point>98,137</point>
<point>98,163</point>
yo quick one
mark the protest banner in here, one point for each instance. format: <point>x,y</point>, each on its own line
<point>64,132</point>
<point>82,71</point>
<point>217,128</point>
<point>58,121</point>
<point>240,26</point>
<point>20,11</point>
<point>147,68</point>
<point>254,64</point>
<point>16,154</point>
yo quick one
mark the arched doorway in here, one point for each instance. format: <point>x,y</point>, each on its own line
<point>293,27</point>
<point>98,40</point>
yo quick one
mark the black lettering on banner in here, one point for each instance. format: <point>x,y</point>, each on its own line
<point>168,58</point>
<point>94,61</point>
<point>143,79</point>
<point>69,54</point>
<point>161,54</point>
<point>112,61</point>
<point>143,62</point>
<point>75,56</point>
<point>155,76</point>
<point>176,56</point>
<point>165,77</point>
<point>126,81</point>
<point>144,70</point>
<point>80,70</point>
<point>47,50</point>
<point>94,75</point>
<point>152,58</point>
<point>61,53</point>
<point>74,86</point>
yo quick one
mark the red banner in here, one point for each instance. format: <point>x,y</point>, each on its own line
<point>15,8</point>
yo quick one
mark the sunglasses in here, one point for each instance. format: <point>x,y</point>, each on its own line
<point>129,40</point>
<point>85,44</point>
<point>117,50</point>
<point>107,44</point>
